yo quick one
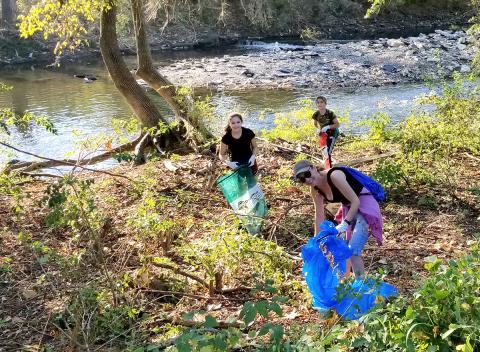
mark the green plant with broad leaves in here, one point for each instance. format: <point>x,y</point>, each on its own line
<point>442,315</point>
<point>253,323</point>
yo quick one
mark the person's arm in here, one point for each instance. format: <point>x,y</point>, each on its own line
<point>335,124</point>
<point>319,208</point>
<point>339,179</point>
<point>223,152</point>
<point>254,146</point>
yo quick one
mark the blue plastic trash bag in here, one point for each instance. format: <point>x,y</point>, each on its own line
<point>361,296</point>
<point>244,195</point>
<point>325,258</point>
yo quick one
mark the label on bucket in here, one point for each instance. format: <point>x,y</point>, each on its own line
<point>248,201</point>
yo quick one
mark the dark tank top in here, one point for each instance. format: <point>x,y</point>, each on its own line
<point>338,197</point>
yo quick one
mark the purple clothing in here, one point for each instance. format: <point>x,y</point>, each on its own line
<point>370,210</point>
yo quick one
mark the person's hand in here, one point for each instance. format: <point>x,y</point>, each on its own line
<point>251,161</point>
<point>325,128</point>
<point>318,131</point>
<point>342,227</point>
<point>231,164</point>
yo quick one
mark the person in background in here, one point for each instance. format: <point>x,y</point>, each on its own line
<point>327,125</point>
<point>360,210</point>
<point>240,143</point>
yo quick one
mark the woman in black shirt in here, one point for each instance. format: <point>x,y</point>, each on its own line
<point>240,142</point>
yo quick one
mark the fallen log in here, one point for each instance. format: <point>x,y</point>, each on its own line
<point>50,162</point>
<point>369,159</point>
<point>54,162</point>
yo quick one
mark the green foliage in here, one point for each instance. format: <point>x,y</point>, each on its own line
<point>207,337</point>
<point>200,110</point>
<point>378,130</point>
<point>5,268</point>
<point>376,6</point>
<point>4,87</point>
<point>64,20</point>
<point>125,128</point>
<point>151,222</point>
<point>308,34</point>
<point>229,251</point>
<point>10,185</point>
<point>294,126</point>
<point>444,313</point>
<point>125,156</point>
<point>71,202</point>
<point>390,175</point>
<point>428,141</point>
<point>90,317</point>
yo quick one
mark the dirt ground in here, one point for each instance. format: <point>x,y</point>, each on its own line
<point>419,222</point>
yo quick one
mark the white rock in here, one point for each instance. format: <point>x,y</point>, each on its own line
<point>395,43</point>
<point>446,34</point>
<point>465,69</point>
<point>418,44</point>
<point>461,46</point>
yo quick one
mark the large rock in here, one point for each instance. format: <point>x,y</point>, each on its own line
<point>446,34</point>
<point>395,43</point>
<point>465,69</point>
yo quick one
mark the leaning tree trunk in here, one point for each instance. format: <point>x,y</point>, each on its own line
<point>154,79</point>
<point>135,96</point>
<point>9,11</point>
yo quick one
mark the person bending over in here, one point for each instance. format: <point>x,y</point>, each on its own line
<point>360,210</point>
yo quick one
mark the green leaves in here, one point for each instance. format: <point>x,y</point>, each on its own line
<point>210,322</point>
<point>262,308</point>
<point>432,263</point>
<point>8,118</point>
<point>65,20</point>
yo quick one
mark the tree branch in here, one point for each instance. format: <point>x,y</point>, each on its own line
<point>190,295</point>
<point>290,149</point>
<point>181,272</point>
<point>199,280</point>
<point>55,162</point>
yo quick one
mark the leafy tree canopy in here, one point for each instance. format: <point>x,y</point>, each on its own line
<point>66,20</point>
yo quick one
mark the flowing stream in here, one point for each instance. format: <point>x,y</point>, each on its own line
<point>78,108</point>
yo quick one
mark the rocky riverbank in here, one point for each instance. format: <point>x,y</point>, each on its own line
<point>331,65</point>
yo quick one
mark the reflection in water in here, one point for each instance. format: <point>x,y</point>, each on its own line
<point>74,105</point>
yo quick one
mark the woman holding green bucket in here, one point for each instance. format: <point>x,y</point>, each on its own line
<point>240,143</point>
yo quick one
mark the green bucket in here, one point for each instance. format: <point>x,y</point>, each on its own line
<point>244,195</point>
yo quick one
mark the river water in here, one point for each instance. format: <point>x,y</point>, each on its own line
<point>80,109</point>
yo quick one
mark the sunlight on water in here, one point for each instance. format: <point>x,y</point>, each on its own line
<point>76,106</point>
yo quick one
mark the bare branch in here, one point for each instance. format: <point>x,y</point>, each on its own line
<point>55,162</point>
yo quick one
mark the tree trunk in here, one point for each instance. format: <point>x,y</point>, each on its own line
<point>135,96</point>
<point>9,12</point>
<point>152,77</point>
